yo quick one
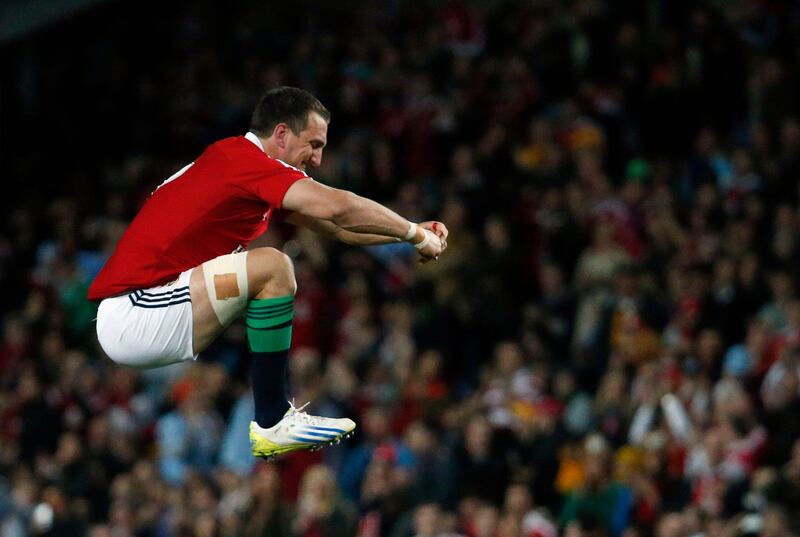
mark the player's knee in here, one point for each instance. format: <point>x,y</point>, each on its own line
<point>282,281</point>
<point>274,272</point>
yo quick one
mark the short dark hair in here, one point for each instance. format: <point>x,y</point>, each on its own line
<point>288,105</point>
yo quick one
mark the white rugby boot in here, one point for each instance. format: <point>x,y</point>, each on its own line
<point>297,431</point>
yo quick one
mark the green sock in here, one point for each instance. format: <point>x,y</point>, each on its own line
<point>269,324</point>
<point>269,332</point>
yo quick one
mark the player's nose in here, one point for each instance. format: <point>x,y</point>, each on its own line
<point>316,158</point>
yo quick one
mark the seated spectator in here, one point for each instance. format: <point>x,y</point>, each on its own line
<point>320,508</point>
<point>188,438</point>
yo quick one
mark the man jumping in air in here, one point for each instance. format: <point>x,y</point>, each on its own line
<point>181,273</point>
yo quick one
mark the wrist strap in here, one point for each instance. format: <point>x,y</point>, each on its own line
<point>412,231</point>
<point>424,242</point>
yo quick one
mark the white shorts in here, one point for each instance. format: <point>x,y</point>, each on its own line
<point>149,327</point>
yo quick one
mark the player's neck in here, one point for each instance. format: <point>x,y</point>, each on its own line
<point>269,146</point>
<point>263,144</point>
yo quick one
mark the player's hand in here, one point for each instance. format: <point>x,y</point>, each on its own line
<point>441,231</point>
<point>432,248</point>
<point>438,228</point>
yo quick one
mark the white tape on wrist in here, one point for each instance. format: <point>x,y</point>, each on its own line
<point>412,231</point>
<point>424,242</point>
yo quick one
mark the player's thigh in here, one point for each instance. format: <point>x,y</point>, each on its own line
<point>205,325</point>
<point>219,290</point>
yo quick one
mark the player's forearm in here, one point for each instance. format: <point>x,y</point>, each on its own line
<point>328,228</point>
<point>361,216</point>
<point>363,239</point>
<point>350,212</point>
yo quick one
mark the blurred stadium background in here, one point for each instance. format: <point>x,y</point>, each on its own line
<point>609,347</point>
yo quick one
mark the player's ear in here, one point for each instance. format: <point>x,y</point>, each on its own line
<point>279,133</point>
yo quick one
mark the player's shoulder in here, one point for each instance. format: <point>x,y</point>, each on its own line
<point>236,152</point>
<point>244,152</point>
<point>235,144</point>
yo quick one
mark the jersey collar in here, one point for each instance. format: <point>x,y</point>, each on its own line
<point>253,138</point>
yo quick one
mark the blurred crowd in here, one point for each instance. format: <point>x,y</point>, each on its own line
<point>610,345</point>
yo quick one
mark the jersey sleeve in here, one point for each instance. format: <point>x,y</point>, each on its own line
<point>271,187</point>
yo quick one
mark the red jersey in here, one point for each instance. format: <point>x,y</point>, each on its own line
<point>214,206</point>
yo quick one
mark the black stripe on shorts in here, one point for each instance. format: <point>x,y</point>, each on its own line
<point>175,303</point>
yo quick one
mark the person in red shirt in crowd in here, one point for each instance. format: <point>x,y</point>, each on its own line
<point>181,272</point>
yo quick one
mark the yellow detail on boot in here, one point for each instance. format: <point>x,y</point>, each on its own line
<point>262,447</point>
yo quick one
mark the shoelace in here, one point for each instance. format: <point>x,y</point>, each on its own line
<point>303,416</point>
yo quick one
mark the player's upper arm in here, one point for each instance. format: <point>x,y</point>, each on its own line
<point>310,198</point>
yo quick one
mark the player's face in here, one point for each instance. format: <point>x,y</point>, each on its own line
<point>305,148</point>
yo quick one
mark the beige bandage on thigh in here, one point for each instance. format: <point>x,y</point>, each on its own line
<point>226,283</point>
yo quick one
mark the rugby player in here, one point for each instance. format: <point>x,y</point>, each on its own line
<point>181,273</point>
